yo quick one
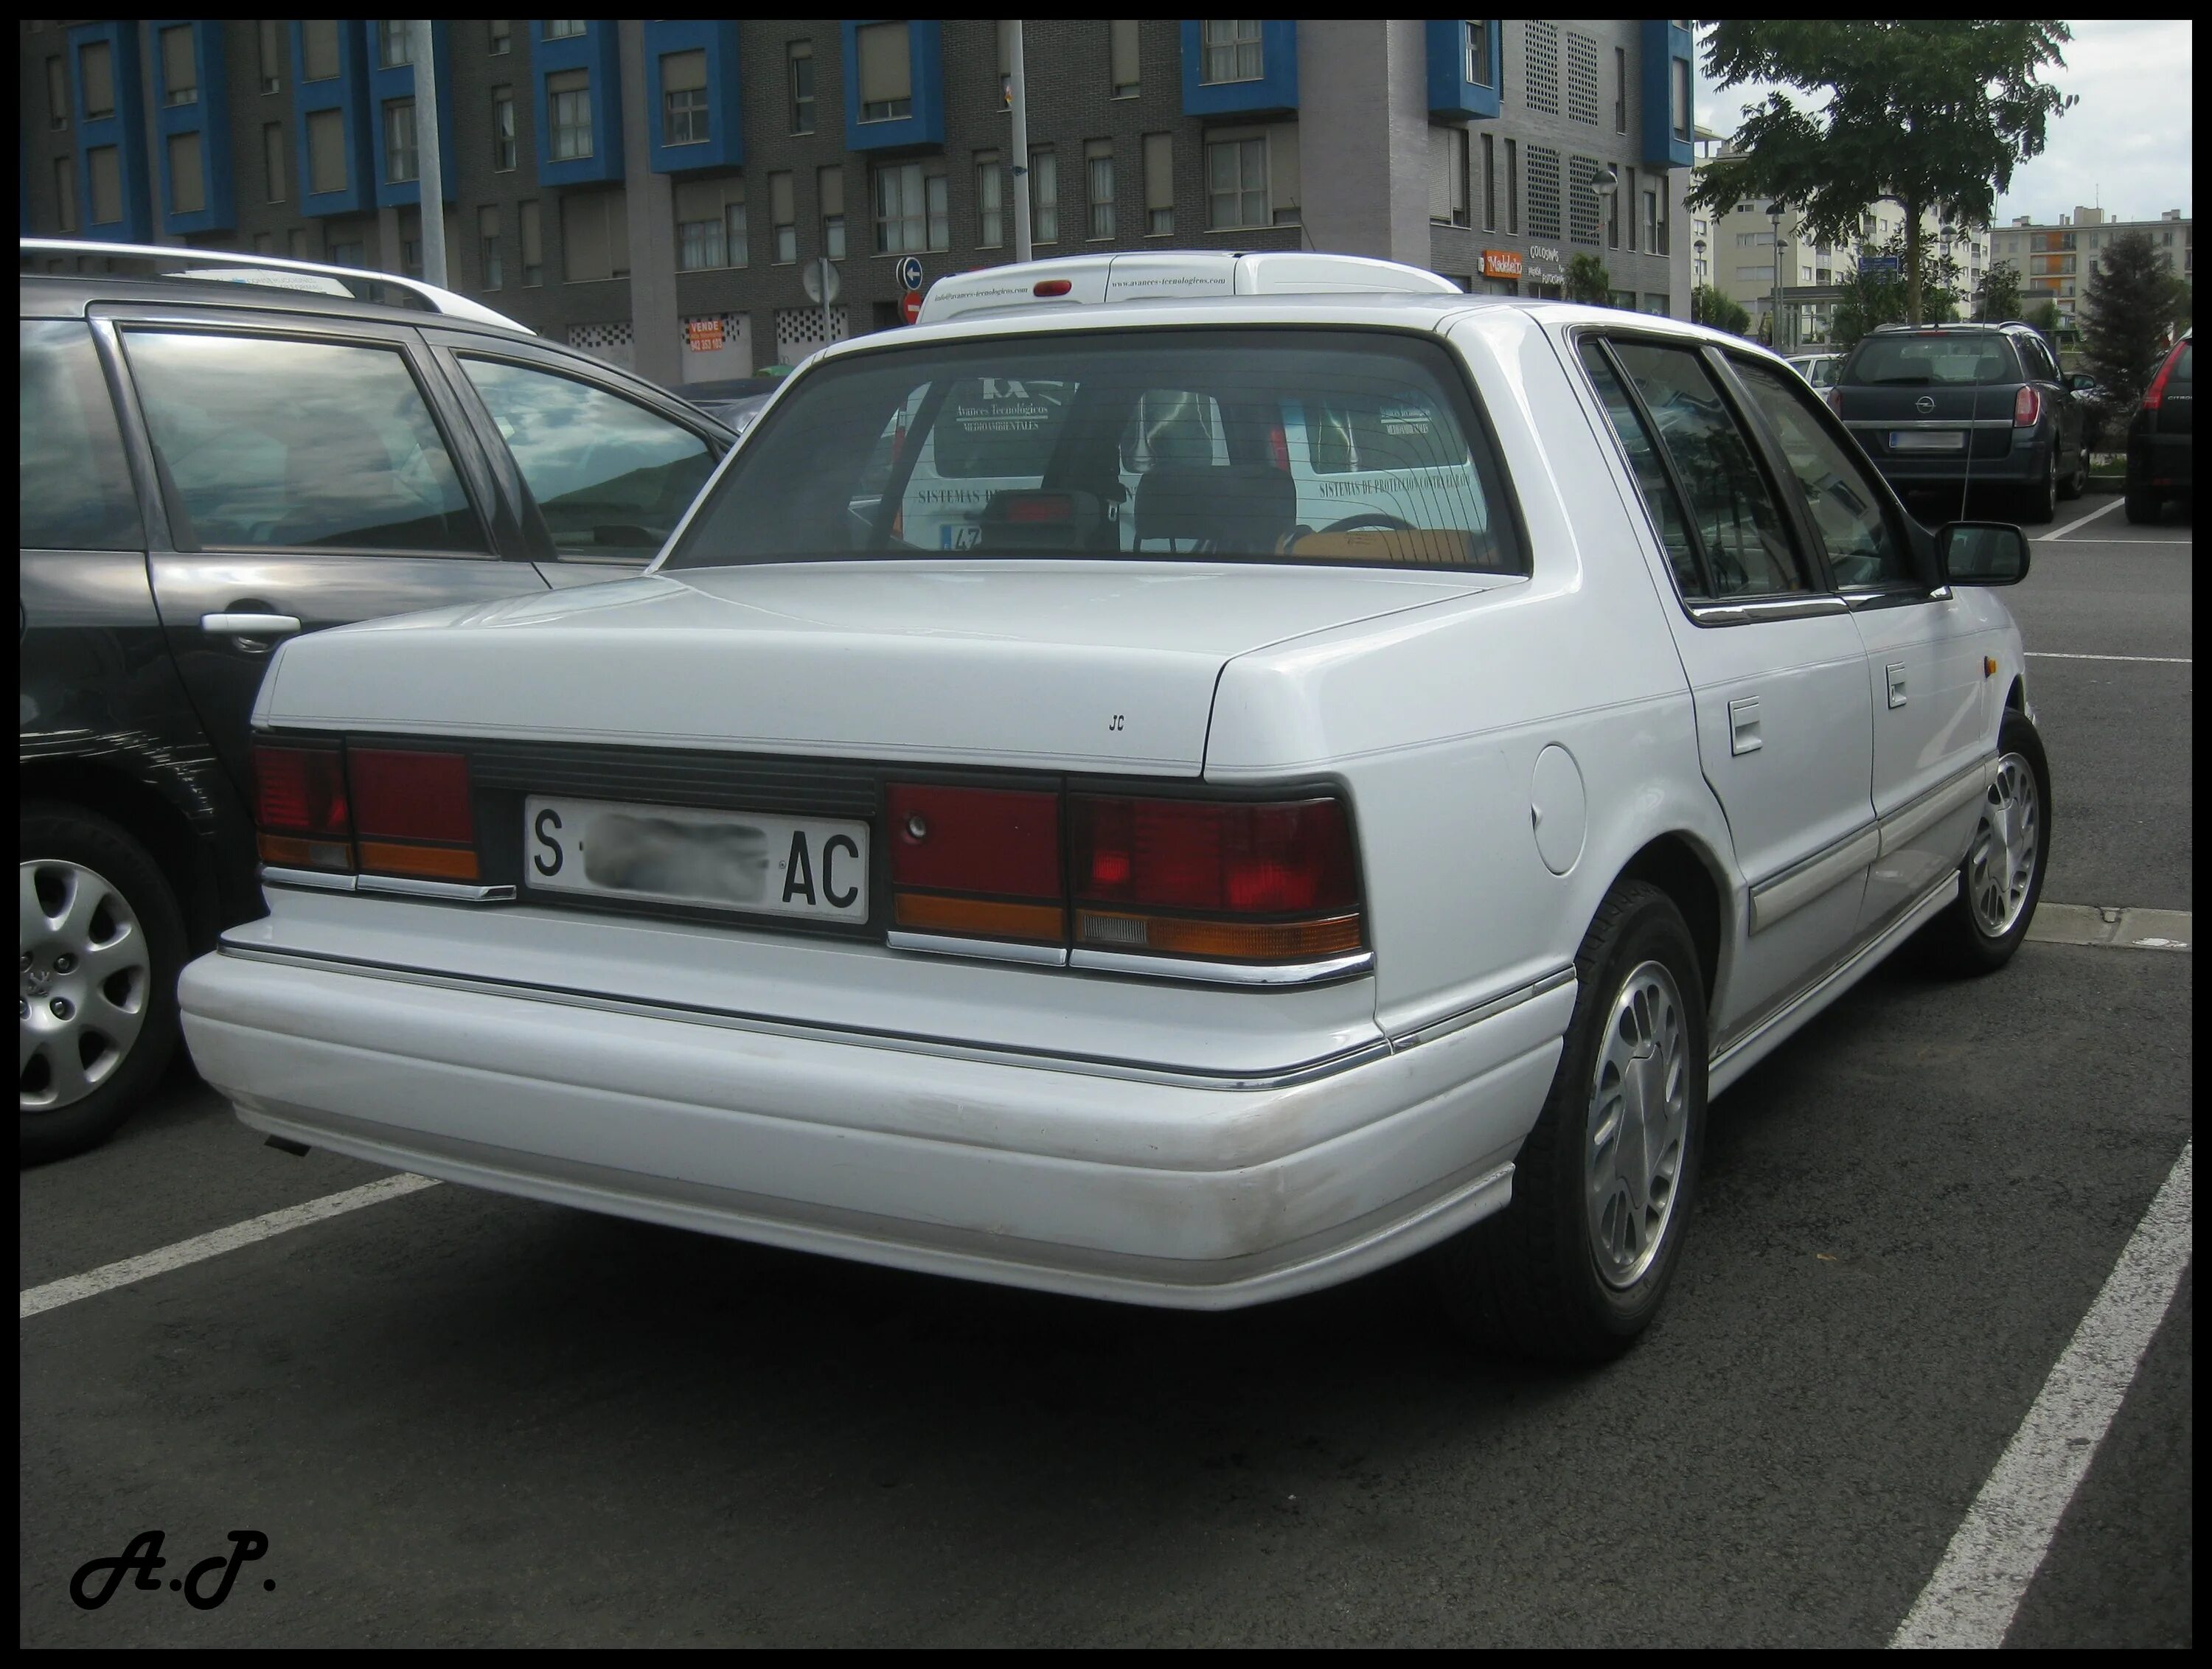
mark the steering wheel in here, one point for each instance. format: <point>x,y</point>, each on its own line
<point>1369,519</point>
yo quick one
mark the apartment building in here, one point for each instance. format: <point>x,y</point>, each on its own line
<point>654,190</point>
<point>2054,261</point>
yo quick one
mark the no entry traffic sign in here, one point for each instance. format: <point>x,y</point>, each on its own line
<point>910,305</point>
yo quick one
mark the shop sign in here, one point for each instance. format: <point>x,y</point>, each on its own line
<point>1501,264</point>
<point>704,335</point>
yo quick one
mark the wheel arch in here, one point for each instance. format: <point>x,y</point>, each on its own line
<point>147,816</point>
<point>1678,863</point>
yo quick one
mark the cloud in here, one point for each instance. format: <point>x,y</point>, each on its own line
<point>2126,145</point>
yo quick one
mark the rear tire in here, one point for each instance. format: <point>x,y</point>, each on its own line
<point>102,937</point>
<point>2039,502</point>
<point>2141,506</point>
<point>2077,483</point>
<point>1999,882</point>
<point>1574,1269</point>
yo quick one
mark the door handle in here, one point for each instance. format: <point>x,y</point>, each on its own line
<point>1896,671</point>
<point>249,625</point>
<point>1743,724</point>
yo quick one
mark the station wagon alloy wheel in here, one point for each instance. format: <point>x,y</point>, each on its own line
<point>2002,865</point>
<point>1639,1116</point>
<point>85,973</point>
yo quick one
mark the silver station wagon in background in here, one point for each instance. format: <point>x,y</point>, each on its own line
<point>1182,779</point>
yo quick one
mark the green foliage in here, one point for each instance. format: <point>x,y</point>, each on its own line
<point>1931,114</point>
<point>1872,296</point>
<point>1588,280</point>
<point>2043,315</point>
<point>2000,298</point>
<point>2132,308</point>
<point>1710,304</point>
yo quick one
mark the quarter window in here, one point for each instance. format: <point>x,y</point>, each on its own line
<point>265,442</point>
<point>610,478</point>
<point>1660,498</point>
<point>1862,548</point>
<point>73,492</point>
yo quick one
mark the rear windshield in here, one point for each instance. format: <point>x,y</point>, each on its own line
<point>1938,358</point>
<point>1273,445</point>
<point>2180,372</point>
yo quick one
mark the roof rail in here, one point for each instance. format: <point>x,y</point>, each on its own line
<point>225,266</point>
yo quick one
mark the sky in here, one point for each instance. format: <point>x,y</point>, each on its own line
<point>2126,146</point>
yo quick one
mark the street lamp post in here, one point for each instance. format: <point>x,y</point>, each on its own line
<point>1774,304</point>
<point>1603,184</point>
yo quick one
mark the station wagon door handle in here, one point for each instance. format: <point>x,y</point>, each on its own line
<point>1743,724</point>
<point>1896,671</point>
<point>249,625</point>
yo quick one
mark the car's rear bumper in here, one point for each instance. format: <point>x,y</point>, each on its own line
<point>2166,462</point>
<point>2022,465</point>
<point>1045,1173</point>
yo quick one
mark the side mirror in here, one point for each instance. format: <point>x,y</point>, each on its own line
<point>1981,553</point>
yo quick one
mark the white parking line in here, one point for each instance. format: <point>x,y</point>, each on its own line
<point>2147,660</point>
<point>1971,1600</point>
<point>2061,532</point>
<point>108,1277</point>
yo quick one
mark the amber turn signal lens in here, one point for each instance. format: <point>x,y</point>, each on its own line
<point>979,918</point>
<point>1239,941</point>
<point>430,863</point>
<point>292,851</point>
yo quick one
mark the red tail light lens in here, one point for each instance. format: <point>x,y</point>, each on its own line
<point>1836,401</point>
<point>1052,287</point>
<point>300,807</point>
<point>997,849</point>
<point>2026,407</point>
<point>2155,396</point>
<point>1245,860</point>
<point>411,796</point>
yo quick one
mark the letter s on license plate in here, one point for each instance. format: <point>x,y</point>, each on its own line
<point>716,860</point>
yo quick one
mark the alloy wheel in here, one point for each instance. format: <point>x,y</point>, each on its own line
<point>2001,865</point>
<point>1638,1125</point>
<point>85,978</point>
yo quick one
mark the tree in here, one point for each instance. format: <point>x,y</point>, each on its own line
<point>1588,280</point>
<point>1929,115</point>
<point>1710,304</point>
<point>2000,294</point>
<point>1878,295</point>
<point>2132,307</point>
<point>2043,315</point>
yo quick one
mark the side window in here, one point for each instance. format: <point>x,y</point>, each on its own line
<point>268,440</point>
<point>73,490</point>
<point>1862,548</point>
<point>610,478</point>
<point>2037,358</point>
<point>1659,497</point>
<point>1746,539</point>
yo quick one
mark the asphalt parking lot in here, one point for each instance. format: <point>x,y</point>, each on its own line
<point>461,1418</point>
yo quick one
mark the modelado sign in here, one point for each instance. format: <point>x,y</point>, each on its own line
<point>1501,264</point>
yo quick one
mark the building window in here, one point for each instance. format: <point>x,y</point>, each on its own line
<point>531,225</point>
<point>683,98</point>
<point>410,242</point>
<point>272,49</point>
<point>318,49</point>
<point>990,201</point>
<point>488,257</point>
<point>736,245</point>
<point>393,46</point>
<point>180,75</point>
<point>1237,183</point>
<point>783,216</point>
<point>1229,51</point>
<point>272,160</point>
<point>106,167</point>
<point>58,99</point>
<point>1513,187</point>
<point>96,64</point>
<point>65,193</point>
<point>886,72</point>
<point>1098,173</point>
<point>1613,218</point>
<point>829,190</point>
<point>560,28</point>
<point>326,167</point>
<point>501,33</point>
<point>1121,57</point>
<point>349,252</point>
<point>1476,44</point>
<point>568,100</point>
<point>704,224</point>
<point>400,162</point>
<point>1489,182</point>
<point>1681,99</point>
<point>913,211</point>
<point>800,57</point>
<point>265,243</point>
<point>1159,185</point>
<point>1448,198</point>
<point>502,130</point>
<point>594,237</point>
<point>1044,195</point>
<point>1621,89</point>
<point>296,241</point>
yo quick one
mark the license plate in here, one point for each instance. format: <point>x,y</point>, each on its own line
<point>816,867</point>
<point>1926,440</point>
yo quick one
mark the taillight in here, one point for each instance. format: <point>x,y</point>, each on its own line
<point>1051,286</point>
<point>411,813</point>
<point>2026,407</point>
<point>1836,401</point>
<point>1245,881</point>
<point>976,863</point>
<point>300,811</point>
<point>2155,396</point>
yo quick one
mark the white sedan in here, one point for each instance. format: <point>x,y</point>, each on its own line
<point>1187,780</point>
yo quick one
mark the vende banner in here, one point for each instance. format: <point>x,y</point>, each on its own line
<point>704,335</point>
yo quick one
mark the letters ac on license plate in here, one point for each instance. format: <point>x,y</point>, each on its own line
<point>816,867</point>
<point>1928,440</point>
